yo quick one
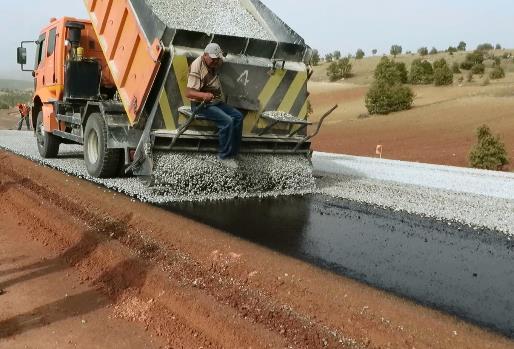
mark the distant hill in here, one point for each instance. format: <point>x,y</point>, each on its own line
<point>16,84</point>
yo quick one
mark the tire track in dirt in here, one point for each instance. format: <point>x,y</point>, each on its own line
<point>98,230</point>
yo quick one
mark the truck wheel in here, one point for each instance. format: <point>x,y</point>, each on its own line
<point>101,162</point>
<point>47,143</point>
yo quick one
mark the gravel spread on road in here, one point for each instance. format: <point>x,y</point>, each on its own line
<point>224,17</point>
<point>478,198</point>
<point>481,199</point>
<point>185,177</point>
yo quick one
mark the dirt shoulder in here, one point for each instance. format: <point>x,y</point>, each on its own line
<point>47,304</point>
<point>194,286</point>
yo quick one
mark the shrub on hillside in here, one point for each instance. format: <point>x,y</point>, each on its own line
<point>455,68</point>
<point>421,72</point>
<point>443,75</point>
<point>440,63</point>
<point>489,153</point>
<point>423,51</point>
<point>476,57</point>
<point>466,65</point>
<point>497,72</point>
<point>485,47</point>
<point>390,71</point>
<point>339,69</point>
<point>478,68</point>
<point>451,50</point>
<point>384,98</point>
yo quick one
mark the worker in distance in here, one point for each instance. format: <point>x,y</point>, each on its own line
<point>204,91</point>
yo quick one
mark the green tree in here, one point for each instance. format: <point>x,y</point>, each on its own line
<point>451,50</point>
<point>384,98</point>
<point>442,73</point>
<point>455,68</point>
<point>315,57</point>
<point>478,68</point>
<point>396,50</point>
<point>329,57</point>
<point>388,94</point>
<point>374,51</point>
<point>462,46</point>
<point>433,51</point>
<point>339,69</point>
<point>337,55</point>
<point>489,152</point>
<point>423,51</point>
<point>485,47</point>
<point>359,54</point>
<point>498,47</point>
<point>497,72</point>
<point>421,72</point>
<point>389,71</point>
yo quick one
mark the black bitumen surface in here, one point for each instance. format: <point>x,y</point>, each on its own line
<point>445,265</point>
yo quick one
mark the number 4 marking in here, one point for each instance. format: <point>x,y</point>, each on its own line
<point>244,78</point>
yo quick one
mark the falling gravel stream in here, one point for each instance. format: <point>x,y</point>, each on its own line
<point>452,267</point>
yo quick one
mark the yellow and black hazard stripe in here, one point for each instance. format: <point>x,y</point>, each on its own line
<point>284,90</point>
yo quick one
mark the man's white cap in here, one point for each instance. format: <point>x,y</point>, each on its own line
<point>214,50</point>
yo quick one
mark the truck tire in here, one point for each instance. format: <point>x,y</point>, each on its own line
<point>47,143</point>
<point>101,162</point>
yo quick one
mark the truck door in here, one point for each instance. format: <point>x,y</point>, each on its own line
<point>49,70</point>
<point>40,60</point>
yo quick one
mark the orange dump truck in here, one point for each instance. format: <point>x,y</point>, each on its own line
<point>116,84</point>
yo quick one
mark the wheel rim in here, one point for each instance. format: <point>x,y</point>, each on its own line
<point>92,147</point>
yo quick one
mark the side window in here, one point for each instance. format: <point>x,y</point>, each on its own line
<point>39,50</point>
<point>51,42</point>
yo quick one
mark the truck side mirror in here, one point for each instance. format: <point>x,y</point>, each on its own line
<point>22,55</point>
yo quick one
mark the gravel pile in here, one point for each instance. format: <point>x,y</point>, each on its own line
<point>191,177</point>
<point>279,116</point>
<point>481,199</point>
<point>225,17</point>
<point>198,175</point>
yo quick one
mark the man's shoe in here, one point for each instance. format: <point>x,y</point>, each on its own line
<point>230,163</point>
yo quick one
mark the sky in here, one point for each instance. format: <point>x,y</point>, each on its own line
<point>326,25</point>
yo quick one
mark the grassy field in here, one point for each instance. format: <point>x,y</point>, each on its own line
<point>439,129</point>
<point>363,69</point>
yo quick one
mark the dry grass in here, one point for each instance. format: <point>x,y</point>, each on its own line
<point>363,69</point>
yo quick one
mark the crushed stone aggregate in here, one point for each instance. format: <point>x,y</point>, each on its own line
<point>184,177</point>
<point>224,17</point>
<point>477,198</point>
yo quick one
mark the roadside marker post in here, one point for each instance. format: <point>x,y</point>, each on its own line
<point>379,150</point>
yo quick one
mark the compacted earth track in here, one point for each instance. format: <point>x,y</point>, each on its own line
<point>193,285</point>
